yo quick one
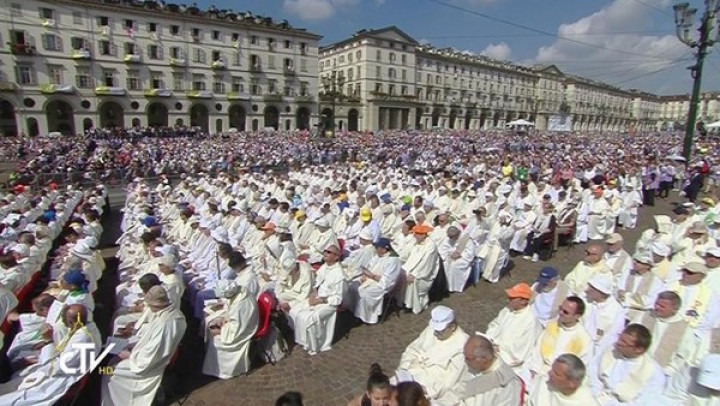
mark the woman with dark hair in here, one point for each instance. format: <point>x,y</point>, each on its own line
<point>378,391</point>
<point>290,399</point>
<point>409,394</point>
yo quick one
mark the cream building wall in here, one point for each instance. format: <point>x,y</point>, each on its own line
<point>68,65</point>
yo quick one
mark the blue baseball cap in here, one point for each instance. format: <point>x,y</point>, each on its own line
<point>383,243</point>
<point>405,207</point>
<point>386,198</point>
<point>546,275</point>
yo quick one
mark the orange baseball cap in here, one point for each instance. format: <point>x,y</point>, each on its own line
<point>521,291</point>
<point>422,229</point>
<point>268,226</point>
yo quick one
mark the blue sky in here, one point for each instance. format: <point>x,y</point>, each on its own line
<point>628,43</point>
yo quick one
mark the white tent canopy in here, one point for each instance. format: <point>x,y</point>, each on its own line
<point>520,122</point>
<point>713,125</point>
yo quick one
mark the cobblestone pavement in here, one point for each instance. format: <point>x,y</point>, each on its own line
<point>334,377</point>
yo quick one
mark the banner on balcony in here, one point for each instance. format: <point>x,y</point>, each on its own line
<point>560,123</point>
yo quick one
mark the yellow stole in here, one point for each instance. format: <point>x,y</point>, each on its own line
<point>634,382</point>
<point>549,341</point>
<point>698,307</point>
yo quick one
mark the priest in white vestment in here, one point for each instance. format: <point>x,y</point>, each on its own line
<point>137,375</point>
<point>697,386</point>
<point>419,270</point>
<point>314,319</point>
<point>638,287</point>
<point>515,329</point>
<point>379,279</point>
<point>627,374</point>
<point>549,292</point>
<point>457,251</point>
<point>565,385</point>
<point>295,287</point>
<point>46,382</point>
<point>604,317</point>
<point>593,264</point>
<point>435,359</point>
<point>487,379</point>
<point>598,209</point>
<point>231,332</point>
<point>564,335</point>
<point>616,258</point>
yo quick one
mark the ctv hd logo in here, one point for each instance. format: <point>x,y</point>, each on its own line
<point>88,359</point>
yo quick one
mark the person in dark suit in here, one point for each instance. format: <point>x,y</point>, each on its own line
<point>695,185</point>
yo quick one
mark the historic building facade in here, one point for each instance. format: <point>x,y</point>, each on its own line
<point>69,65</point>
<point>385,79</point>
<point>675,109</point>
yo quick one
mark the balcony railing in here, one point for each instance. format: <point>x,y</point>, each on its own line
<point>178,61</point>
<point>305,98</point>
<point>133,58</point>
<point>18,48</point>
<point>81,54</point>
<point>273,97</point>
<point>238,96</point>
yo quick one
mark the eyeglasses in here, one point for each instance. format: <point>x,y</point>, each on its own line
<point>329,252</point>
<point>591,253</point>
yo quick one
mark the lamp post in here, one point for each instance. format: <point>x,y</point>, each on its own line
<point>332,88</point>
<point>684,17</point>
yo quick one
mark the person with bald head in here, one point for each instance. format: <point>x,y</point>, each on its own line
<point>593,264</point>
<point>487,379</point>
<point>457,253</point>
<point>45,380</point>
<point>314,319</point>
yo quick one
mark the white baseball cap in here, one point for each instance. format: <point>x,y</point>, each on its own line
<point>602,282</point>
<point>441,317</point>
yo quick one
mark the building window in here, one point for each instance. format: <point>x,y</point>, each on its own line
<point>77,18</point>
<point>391,89</point>
<point>404,75</point>
<point>403,90</point>
<point>129,26</point>
<point>178,81</point>
<point>358,55</point>
<point>271,62</point>
<point>254,40</point>
<point>237,59</point>
<point>198,83</point>
<point>288,91</point>
<point>175,53</point>
<point>79,44</point>
<point>175,30</point>
<point>303,65</point>
<point>378,55</point>
<point>156,80</point>
<point>106,48</point>
<point>271,44</point>
<point>378,87</point>
<point>218,87</point>
<point>392,73</point>
<point>255,88</point>
<point>152,27</point>
<point>217,56</point>
<point>391,56</point>
<point>378,72</point>
<point>52,42</point>
<point>237,85</point>
<point>55,74</point>
<point>303,48</point>
<point>199,55</point>
<point>130,48</point>
<point>342,59</point>
<point>216,35</point>
<point>155,52</point>
<point>403,59</point>
<point>47,13</point>
<point>103,21</point>
<point>235,37</point>
<point>16,10</point>
<point>196,34</point>
<point>304,88</point>
<point>287,44</point>
<point>255,61</point>
<point>133,80</point>
<point>109,78</point>
<point>83,79</point>
<point>25,75</point>
<point>272,86</point>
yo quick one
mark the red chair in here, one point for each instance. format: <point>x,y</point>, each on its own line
<point>266,305</point>
<point>341,245</point>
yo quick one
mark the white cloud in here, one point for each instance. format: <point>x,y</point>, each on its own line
<point>316,9</point>
<point>499,51</point>
<point>640,54</point>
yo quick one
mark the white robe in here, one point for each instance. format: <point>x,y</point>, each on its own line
<point>457,270</point>
<point>228,354</point>
<point>597,224</point>
<point>603,383</point>
<point>315,325</point>
<point>55,382</point>
<point>437,365</point>
<point>544,395</point>
<point>507,390</point>
<point>136,379</point>
<point>371,293</point>
<point>604,322</point>
<point>423,265</point>
<point>579,277</point>
<point>515,333</point>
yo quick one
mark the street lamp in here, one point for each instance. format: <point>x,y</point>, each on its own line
<point>684,17</point>
<point>332,88</point>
